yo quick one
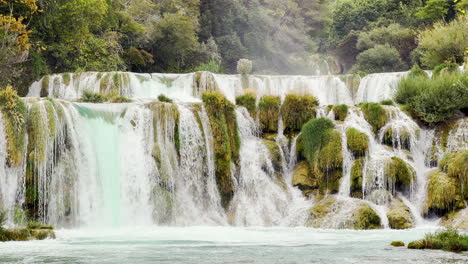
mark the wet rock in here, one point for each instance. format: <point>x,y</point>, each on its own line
<point>399,216</point>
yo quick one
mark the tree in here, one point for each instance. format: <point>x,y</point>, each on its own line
<point>381,58</point>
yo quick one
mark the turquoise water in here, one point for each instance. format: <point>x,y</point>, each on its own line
<point>224,245</point>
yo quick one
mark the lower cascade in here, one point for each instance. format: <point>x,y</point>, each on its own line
<point>276,158</point>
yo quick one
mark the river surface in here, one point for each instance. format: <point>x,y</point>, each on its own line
<point>225,245</point>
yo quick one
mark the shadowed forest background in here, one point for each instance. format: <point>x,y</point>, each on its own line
<point>41,37</point>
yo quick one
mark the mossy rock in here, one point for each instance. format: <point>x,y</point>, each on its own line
<point>389,138</point>
<point>341,112</point>
<point>25,234</point>
<point>358,142</point>
<point>268,112</point>
<point>356,178</point>
<point>223,123</point>
<point>397,243</point>
<point>456,166</point>
<point>248,100</point>
<point>269,136</point>
<point>375,114</point>
<point>418,244</point>
<point>322,208</point>
<point>400,173</point>
<point>297,110</point>
<point>456,219</point>
<point>302,178</point>
<point>399,216</point>
<point>366,218</point>
<point>275,154</point>
<point>41,234</point>
<point>442,193</point>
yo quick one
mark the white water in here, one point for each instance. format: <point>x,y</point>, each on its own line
<point>378,87</point>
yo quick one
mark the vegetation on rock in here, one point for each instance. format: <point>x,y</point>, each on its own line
<point>165,99</point>
<point>375,114</point>
<point>356,178</point>
<point>442,193</point>
<point>358,142</point>
<point>399,216</point>
<point>449,240</point>
<point>400,173</point>
<point>367,218</point>
<point>268,112</point>
<point>297,110</point>
<point>226,141</point>
<point>341,112</point>
<point>248,100</point>
<point>397,244</point>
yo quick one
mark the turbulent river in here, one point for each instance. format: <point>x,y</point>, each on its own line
<point>136,182</point>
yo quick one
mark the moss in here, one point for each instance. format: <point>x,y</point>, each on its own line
<point>358,142</point>
<point>456,166</point>
<point>297,110</point>
<point>366,218</point>
<point>302,178</point>
<point>119,99</point>
<point>42,234</point>
<point>442,193</point>
<point>330,155</point>
<point>314,135</point>
<point>49,107</point>
<point>45,86</point>
<point>356,178</point>
<point>323,208</point>
<point>399,216</point>
<point>397,244</point>
<point>25,234</point>
<point>375,114</point>
<point>248,100</point>
<point>400,173</point>
<point>66,78</point>
<point>38,225</point>
<point>165,99</point>
<point>14,114</point>
<point>268,112</point>
<point>387,102</point>
<point>341,112</point>
<point>390,138</point>
<point>418,244</point>
<point>226,141</point>
<point>104,84</point>
<point>275,154</point>
<point>92,97</point>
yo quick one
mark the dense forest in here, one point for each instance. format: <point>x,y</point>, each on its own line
<point>280,36</point>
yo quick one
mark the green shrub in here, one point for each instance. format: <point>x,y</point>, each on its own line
<point>165,99</point>
<point>375,115</point>
<point>341,112</point>
<point>445,68</point>
<point>297,110</point>
<point>314,135</point>
<point>386,102</point>
<point>410,88</point>
<point>119,99</point>
<point>449,240</point>
<point>92,97</point>
<point>268,111</point>
<point>381,58</point>
<point>248,100</point>
<point>416,71</point>
<point>444,42</point>
<point>213,66</point>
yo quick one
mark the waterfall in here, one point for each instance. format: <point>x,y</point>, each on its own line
<point>378,87</point>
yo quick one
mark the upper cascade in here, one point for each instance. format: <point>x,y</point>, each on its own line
<point>188,87</point>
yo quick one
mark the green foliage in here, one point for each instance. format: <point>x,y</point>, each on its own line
<point>375,114</point>
<point>226,141</point>
<point>356,178</point>
<point>163,98</point>
<point>213,66</point>
<point>341,112</point>
<point>14,113</point>
<point>381,58</point>
<point>358,142</point>
<point>416,71</point>
<point>38,225</point>
<point>268,113</point>
<point>445,68</point>
<point>444,42</point>
<point>455,165</point>
<point>314,136</point>
<point>400,173</point>
<point>297,110</point>
<point>442,193</point>
<point>434,100</point>
<point>397,244</point>
<point>449,240</point>
<point>386,102</point>
<point>248,101</point>
<point>434,10</point>
<point>92,97</point>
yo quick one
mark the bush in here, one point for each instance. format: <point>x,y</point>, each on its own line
<point>92,97</point>
<point>449,240</point>
<point>381,58</point>
<point>444,42</point>
<point>434,100</point>
<point>213,66</point>
<point>297,110</point>
<point>416,71</point>
<point>165,99</point>
<point>119,99</point>
<point>269,110</point>
<point>315,134</point>
<point>445,68</point>
<point>244,66</point>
